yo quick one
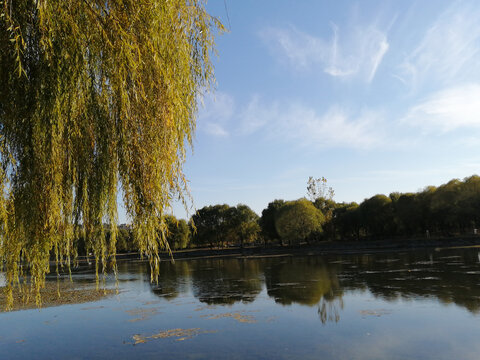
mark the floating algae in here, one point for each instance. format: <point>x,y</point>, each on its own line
<point>180,334</point>
<point>207,307</point>
<point>377,313</point>
<point>235,315</point>
<point>142,314</point>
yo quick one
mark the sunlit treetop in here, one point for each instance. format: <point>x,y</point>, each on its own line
<point>93,95</point>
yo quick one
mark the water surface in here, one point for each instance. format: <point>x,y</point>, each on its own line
<point>421,305</point>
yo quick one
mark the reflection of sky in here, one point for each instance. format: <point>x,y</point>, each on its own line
<point>369,326</point>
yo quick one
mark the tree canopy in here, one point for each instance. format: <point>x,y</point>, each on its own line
<point>95,95</point>
<point>297,220</point>
<point>223,224</point>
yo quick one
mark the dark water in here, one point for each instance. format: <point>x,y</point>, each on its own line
<point>422,305</point>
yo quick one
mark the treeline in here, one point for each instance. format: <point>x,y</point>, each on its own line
<point>451,209</point>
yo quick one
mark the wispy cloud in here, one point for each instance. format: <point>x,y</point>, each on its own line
<point>449,49</point>
<point>215,129</point>
<point>336,127</point>
<point>292,122</point>
<point>447,110</point>
<point>301,124</point>
<point>215,113</point>
<point>358,52</point>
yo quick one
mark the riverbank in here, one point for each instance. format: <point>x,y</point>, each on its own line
<point>327,247</point>
<point>321,248</point>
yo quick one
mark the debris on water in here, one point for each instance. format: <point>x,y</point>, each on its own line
<point>234,315</point>
<point>208,307</point>
<point>180,334</point>
<point>93,307</point>
<point>141,313</point>
<point>152,302</point>
<point>377,312</point>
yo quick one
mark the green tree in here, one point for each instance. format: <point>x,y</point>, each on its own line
<point>125,241</point>
<point>444,207</point>
<point>267,221</point>
<point>94,94</point>
<point>298,221</point>
<point>469,203</point>
<point>347,220</point>
<point>178,232</point>
<point>408,214</point>
<point>377,216</point>
<point>243,224</point>
<point>211,225</point>
<point>321,196</point>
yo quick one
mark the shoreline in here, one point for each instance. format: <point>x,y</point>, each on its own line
<point>325,248</point>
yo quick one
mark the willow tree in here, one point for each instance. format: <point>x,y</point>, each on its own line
<point>94,95</point>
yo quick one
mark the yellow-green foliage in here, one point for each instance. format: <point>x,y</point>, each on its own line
<point>297,220</point>
<point>94,94</point>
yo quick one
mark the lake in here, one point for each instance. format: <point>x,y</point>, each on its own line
<point>422,305</point>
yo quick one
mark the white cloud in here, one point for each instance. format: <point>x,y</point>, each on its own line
<point>215,130</point>
<point>449,49</point>
<point>358,53</point>
<point>256,115</point>
<point>216,113</point>
<point>299,48</point>
<point>334,128</point>
<point>447,110</point>
<point>303,125</point>
<point>292,121</point>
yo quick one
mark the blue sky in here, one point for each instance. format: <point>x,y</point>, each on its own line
<point>376,96</point>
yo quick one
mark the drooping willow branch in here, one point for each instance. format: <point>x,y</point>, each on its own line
<point>94,95</point>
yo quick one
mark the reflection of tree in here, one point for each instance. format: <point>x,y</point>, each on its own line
<point>449,277</point>
<point>329,309</point>
<point>173,280</point>
<point>226,281</point>
<point>306,281</point>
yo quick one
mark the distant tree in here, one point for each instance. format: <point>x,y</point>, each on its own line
<point>298,221</point>
<point>408,215</point>
<point>211,225</point>
<point>317,188</point>
<point>243,224</point>
<point>321,196</point>
<point>178,232</point>
<point>444,207</point>
<point>347,220</point>
<point>469,203</point>
<point>267,221</point>
<point>125,242</point>
<point>424,200</point>
<point>377,215</point>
